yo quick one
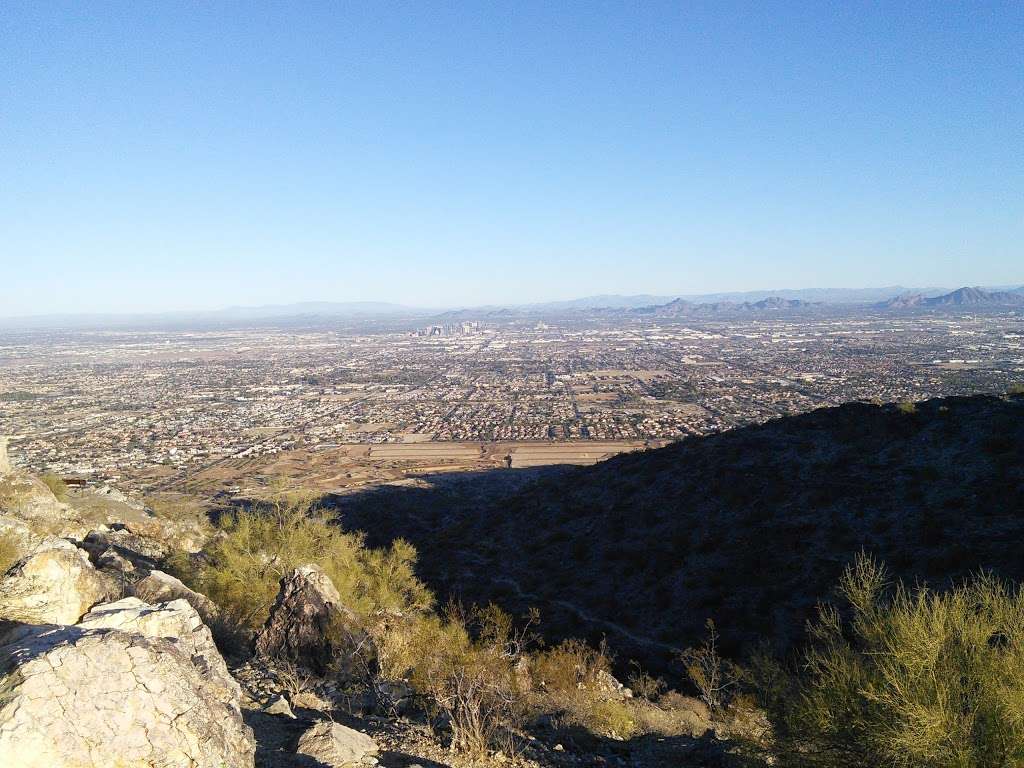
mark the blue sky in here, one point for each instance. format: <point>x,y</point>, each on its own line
<point>175,155</point>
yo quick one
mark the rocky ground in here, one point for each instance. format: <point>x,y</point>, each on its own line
<point>106,660</point>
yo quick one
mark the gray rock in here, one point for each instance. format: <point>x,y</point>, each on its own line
<point>175,620</point>
<point>141,551</point>
<point>280,706</point>
<point>109,560</point>
<point>133,685</point>
<point>335,745</point>
<point>307,622</point>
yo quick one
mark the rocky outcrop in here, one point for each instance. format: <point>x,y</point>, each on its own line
<point>160,587</point>
<point>54,584</point>
<point>308,626</point>
<point>140,551</point>
<point>176,620</point>
<point>132,685</point>
<point>335,745</point>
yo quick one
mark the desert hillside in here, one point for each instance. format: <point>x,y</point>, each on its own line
<point>749,527</point>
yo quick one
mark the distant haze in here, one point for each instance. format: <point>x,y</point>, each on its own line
<point>894,296</point>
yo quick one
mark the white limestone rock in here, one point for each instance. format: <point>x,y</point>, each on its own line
<point>160,587</point>
<point>54,584</point>
<point>132,685</point>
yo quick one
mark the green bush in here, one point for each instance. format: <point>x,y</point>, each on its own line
<point>572,679</point>
<point>569,666</point>
<point>906,407</point>
<point>910,678</point>
<point>243,564</point>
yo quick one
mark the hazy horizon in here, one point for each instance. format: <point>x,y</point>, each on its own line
<point>375,306</point>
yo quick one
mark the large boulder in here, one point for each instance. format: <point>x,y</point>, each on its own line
<point>132,685</point>
<point>308,626</point>
<point>17,533</point>
<point>176,620</point>
<point>54,584</point>
<point>335,745</point>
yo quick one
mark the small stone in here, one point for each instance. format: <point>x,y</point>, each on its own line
<point>335,745</point>
<point>280,706</point>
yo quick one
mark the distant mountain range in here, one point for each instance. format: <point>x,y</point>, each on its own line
<point>961,297</point>
<point>810,295</point>
<point>678,305</point>
<point>683,308</point>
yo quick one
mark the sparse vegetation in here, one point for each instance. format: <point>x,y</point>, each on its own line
<point>643,684</point>
<point>910,678</point>
<point>575,680</point>
<point>56,484</point>
<point>713,676</point>
<point>466,663</point>
<point>174,508</point>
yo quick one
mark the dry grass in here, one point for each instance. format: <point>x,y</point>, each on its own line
<point>56,485</point>
<point>9,553</point>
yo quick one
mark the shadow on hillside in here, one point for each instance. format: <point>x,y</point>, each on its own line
<point>751,527</point>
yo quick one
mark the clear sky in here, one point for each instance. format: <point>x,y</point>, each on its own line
<point>161,155</point>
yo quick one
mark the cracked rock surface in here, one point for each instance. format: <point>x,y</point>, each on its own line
<point>305,622</point>
<point>132,685</point>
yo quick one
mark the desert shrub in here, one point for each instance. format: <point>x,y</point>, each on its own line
<point>573,679</point>
<point>465,663</point>
<point>713,676</point>
<point>643,684</point>
<point>910,678</point>
<point>8,553</point>
<point>56,484</point>
<point>175,508</point>
<point>906,407</point>
<point>243,564</point>
<point>569,666</point>
<point>612,717</point>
